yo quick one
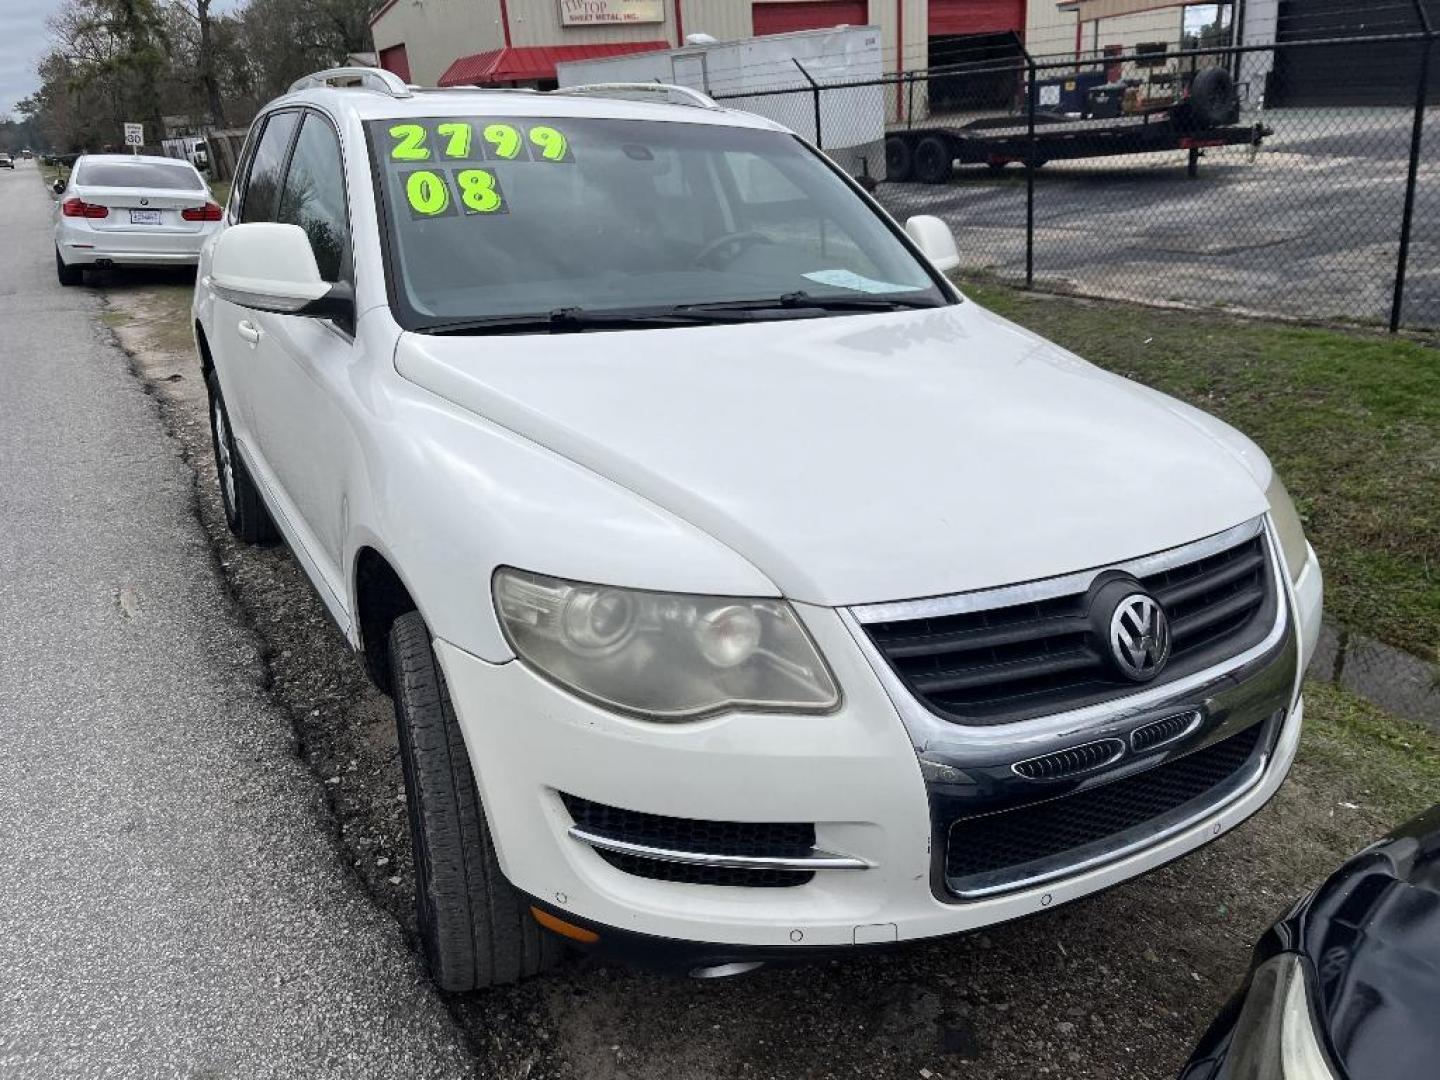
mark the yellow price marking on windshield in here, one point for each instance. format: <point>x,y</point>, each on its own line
<point>411,145</point>
<point>553,144</point>
<point>479,191</point>
<point>504,138</point>
<point>427,193</point>
<point>457,138</point>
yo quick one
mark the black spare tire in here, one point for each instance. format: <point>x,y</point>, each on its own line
<point>1213,100</point>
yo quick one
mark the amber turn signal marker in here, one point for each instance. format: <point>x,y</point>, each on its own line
<point>563,928</point>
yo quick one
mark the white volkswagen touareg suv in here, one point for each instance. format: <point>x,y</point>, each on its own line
<point>744,591</point>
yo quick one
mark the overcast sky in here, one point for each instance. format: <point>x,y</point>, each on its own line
<point>22,39</point>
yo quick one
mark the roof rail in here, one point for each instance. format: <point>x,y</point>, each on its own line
<point>642,91</point>
<point>368,78</point>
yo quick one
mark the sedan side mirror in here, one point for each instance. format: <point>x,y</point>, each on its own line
<point>935,240</point>
<point>271,267</point>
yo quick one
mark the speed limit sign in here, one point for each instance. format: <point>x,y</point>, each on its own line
<point>134,134</point>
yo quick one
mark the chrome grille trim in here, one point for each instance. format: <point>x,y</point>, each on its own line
<point>816,860</point>
<point>1049,588</point>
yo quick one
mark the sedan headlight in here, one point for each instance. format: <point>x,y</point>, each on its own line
<point>665,656</point>
<point>1275,1036</point>
<point>1287,527</point>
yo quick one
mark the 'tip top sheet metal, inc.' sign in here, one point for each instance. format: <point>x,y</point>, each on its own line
<point>598,12</point>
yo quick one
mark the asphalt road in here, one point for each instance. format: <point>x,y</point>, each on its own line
<point>1306,227</point>
<point>173,900</point>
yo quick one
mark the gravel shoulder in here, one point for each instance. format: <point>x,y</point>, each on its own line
<point>1117,986</point>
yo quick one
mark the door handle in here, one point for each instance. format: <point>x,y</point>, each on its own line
<point>249,331</point>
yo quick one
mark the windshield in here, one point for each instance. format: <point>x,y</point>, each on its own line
<point>493,217</point>
<point>140,174</point>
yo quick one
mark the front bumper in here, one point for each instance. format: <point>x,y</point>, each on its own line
<point>854,773</point>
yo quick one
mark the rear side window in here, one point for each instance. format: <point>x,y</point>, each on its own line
<point>314,195</point>
<point>140,174</point>
<point>262,186</point>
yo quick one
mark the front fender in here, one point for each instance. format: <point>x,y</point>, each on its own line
<point>449,496</point>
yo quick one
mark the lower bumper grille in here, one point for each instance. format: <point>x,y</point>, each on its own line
<point>703,839</point>
<point>994,852</point>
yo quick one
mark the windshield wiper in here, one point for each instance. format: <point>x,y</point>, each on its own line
<point>571,320</point>
<point>803,300</point>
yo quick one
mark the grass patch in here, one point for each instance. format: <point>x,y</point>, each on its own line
<point>221,190</point>
<point>1351,420</point>
<point>1379,761</point>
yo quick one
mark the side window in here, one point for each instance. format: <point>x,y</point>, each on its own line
<point>314,195</point>
<point>262,184</point>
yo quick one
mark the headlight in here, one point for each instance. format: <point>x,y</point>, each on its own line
<point>665,656</point>
<point>1287,527</point>
<point>1275,1036</point>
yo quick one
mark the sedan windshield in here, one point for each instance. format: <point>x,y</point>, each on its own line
<point>514,222</point>
<point>139,174</point>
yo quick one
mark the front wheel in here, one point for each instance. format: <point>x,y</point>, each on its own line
<point>475,926</point>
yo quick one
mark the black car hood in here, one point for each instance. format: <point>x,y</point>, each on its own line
<point>1372,936</point>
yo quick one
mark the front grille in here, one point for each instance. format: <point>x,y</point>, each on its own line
<point>783,839</point>
<point>1072,761</point>
<point>1003,664</point>
<point>1015,844</point>
<point>1159,732</point>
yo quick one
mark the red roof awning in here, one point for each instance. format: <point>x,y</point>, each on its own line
<point>516,64</point>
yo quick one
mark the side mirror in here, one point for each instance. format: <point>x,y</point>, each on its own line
<point>58,187</point>
<point>935,239</point>
<point>270,267</point>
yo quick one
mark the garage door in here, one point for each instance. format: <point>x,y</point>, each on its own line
<point>809,15</point>
<point>976,16</point>
<point>1384,73</point>
<point>397,60</point>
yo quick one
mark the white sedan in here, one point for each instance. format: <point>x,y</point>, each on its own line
<point>124,210</point>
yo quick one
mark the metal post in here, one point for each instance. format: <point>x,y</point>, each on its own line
<point>910,105</point>
<point>1417,132</point>
<point>814,89</point>
<point>1032,92</point>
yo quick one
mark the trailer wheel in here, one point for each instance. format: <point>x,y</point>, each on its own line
<point>899,161</point>
<point>1213,101</point>
<point>934,160</point>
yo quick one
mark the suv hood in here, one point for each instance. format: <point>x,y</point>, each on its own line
<point>866,458</point>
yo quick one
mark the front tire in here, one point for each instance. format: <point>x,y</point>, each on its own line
<point>68,275</point>
<point>245,511</point>
<point>475,926</point>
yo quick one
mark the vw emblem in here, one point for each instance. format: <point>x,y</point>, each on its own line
<point>1139,637</point>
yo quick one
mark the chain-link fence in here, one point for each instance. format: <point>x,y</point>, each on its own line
<point>1291,178</point>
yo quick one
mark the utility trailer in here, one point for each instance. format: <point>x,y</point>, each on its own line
<point>1205,118</point>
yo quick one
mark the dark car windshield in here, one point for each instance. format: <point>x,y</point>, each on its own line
<point>139,174</point>
<point>495,216</point>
